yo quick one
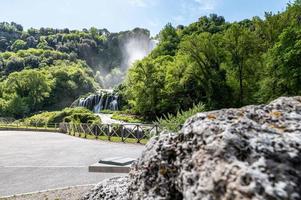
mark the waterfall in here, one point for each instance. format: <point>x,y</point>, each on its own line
<point>132,50</point>
<point>102,100</point>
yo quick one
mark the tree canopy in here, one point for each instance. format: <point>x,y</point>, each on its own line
<point>47,69</point>
<point>211,62</point>
<point>219,64</point>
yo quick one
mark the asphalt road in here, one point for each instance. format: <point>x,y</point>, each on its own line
<point>33,161</point>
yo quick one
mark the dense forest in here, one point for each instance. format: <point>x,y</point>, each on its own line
<point>47,69</point>
<point>219,64</point>
<point>210,63</point>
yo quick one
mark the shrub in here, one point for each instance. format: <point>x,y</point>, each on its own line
<point>175,122</point>
<point>74,115</point>
<point>107,111</point>
<point>127,118</point>
<point>40,119</point>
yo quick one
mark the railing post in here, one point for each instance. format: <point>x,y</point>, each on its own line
<point>78,131</point>
<point>68,128</point>
<point>85,132</point>
<point>109,132</point>
<point>97,128</point>
<point>75,129</point>
<point>137,134</point>
<point>122,133</point>
<point>71,129</point>
<point>95,131</point>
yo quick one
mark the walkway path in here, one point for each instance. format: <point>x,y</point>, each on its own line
<point>107,119</point>
<point>32,161</point>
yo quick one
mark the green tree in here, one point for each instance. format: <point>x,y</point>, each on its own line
<point>168,84</point>
<point>169,41</point>
<point>43,44</point>
<point>145,84</point>
<point>17,106</point>
<point>69,82</point>
<point>212,24</point>
<point>14,63</point>
<point>18,45</point>
<point>283,72</point>
<point>205,75</point>
<point>30,87</point>
<point>243,47</point>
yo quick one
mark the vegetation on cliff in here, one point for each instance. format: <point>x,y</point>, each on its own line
<point>47,69</point>
<point>210,62</point>
<point>219,64</point>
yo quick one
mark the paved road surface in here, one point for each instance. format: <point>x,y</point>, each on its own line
<point>32,161</point>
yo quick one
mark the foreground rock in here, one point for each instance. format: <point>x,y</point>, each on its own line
<point>114,188</point>
<point>248,153</point>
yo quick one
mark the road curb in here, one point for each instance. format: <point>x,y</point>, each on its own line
<point>29,130</point>
<point>44,191</point>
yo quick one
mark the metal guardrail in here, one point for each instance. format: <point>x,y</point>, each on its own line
<point>138,132</point>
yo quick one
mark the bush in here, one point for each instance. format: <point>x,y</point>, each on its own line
<point>74,115</point>
<point>107,111</point>
<point>40,119</point>
<point>49,88</point>
<point>128,118</point>
<point>175,122</point>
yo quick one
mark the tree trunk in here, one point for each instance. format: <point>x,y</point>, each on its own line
<point>240,86</point>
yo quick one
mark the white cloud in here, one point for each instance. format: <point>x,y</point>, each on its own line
<point>143,3</point>
<point>193,9</point>
<point>138,3</point>
<point>206,5</point>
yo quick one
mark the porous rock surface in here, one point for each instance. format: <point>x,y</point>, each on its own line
<point>109,189</point>
<point>249,153</point>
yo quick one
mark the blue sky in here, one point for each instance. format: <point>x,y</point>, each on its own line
<point>118,15</point>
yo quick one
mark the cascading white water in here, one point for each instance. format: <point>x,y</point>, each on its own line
<point>103,100</point>
<point>133,49</point>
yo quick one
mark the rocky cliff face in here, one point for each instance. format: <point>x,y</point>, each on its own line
<point>248,153</point>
